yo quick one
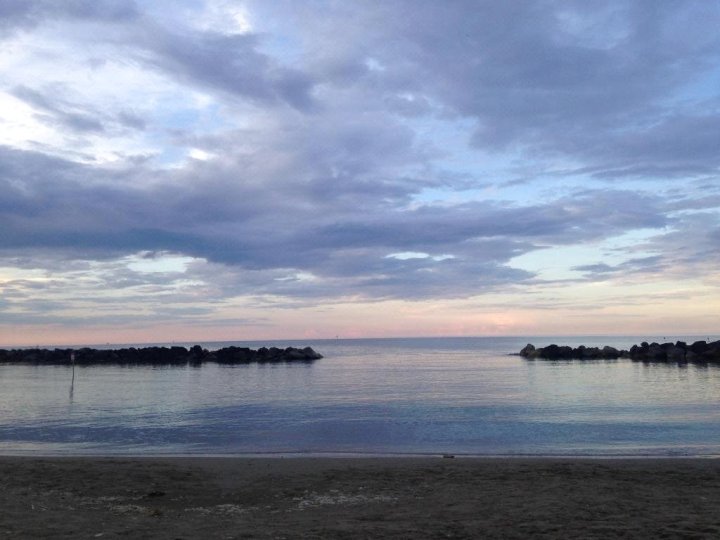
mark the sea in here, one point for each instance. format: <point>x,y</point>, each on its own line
<point>414,396</point>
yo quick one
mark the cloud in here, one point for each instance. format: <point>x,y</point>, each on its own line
<point>606,84</point>
<point>23,14</point>
<point>81,208</point>
<point>291,157</point>
<point>229,64</point>
<point>67,116</point>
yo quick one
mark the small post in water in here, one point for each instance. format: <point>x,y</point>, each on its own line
<point>72,382</point>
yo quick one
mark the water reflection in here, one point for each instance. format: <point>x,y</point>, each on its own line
<point>460,397</point>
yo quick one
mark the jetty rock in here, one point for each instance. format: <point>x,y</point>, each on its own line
<point>564,352</point>
<point>176,356</point>
<point>678,352</point>
<point>241,355</point>
<point>700,351</point>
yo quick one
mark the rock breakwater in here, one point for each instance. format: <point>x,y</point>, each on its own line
<point>195,355</point>
<point>699,351</point>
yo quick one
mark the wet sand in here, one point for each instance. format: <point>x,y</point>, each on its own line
<point>358,498</point>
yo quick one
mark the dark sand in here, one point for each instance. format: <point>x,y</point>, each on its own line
<point>358,498</point>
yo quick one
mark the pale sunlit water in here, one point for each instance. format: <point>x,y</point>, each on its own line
<point>454,395</point>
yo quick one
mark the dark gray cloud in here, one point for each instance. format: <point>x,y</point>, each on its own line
<point>68,117</point>
<point>230,64</point>
<point>624,87</point>
<point>690,249</point>
<point>54,109</point>
<point>51,204</point>
<point>20,14</point>
<point>640,265</point>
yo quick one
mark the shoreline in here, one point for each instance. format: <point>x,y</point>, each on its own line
<point>344,497</point>
<point>355,455</point>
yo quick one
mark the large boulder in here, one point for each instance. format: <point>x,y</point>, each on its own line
<point>675,354</point>
<point>699,347</point>
<point>713,352</point>
<point>310,354</point>
<point>656,353</point>
<point>556,352</point>
<point>610,352</point>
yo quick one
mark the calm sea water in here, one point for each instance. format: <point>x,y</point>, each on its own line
<point>454,395</point>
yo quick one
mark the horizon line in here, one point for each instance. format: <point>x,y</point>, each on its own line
<point>337,338</point>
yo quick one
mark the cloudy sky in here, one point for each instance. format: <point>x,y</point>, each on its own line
<point>228,169</point>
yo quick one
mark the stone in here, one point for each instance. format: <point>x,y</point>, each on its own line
<point>610,352</point>
<point>675,354</point>
<point>656,352</point>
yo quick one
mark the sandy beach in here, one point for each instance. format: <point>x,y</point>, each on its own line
<point>358,498</point>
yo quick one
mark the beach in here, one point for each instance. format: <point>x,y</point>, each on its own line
<point>388,497</point>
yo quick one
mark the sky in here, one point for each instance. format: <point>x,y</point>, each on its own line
<point>182,170</point>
